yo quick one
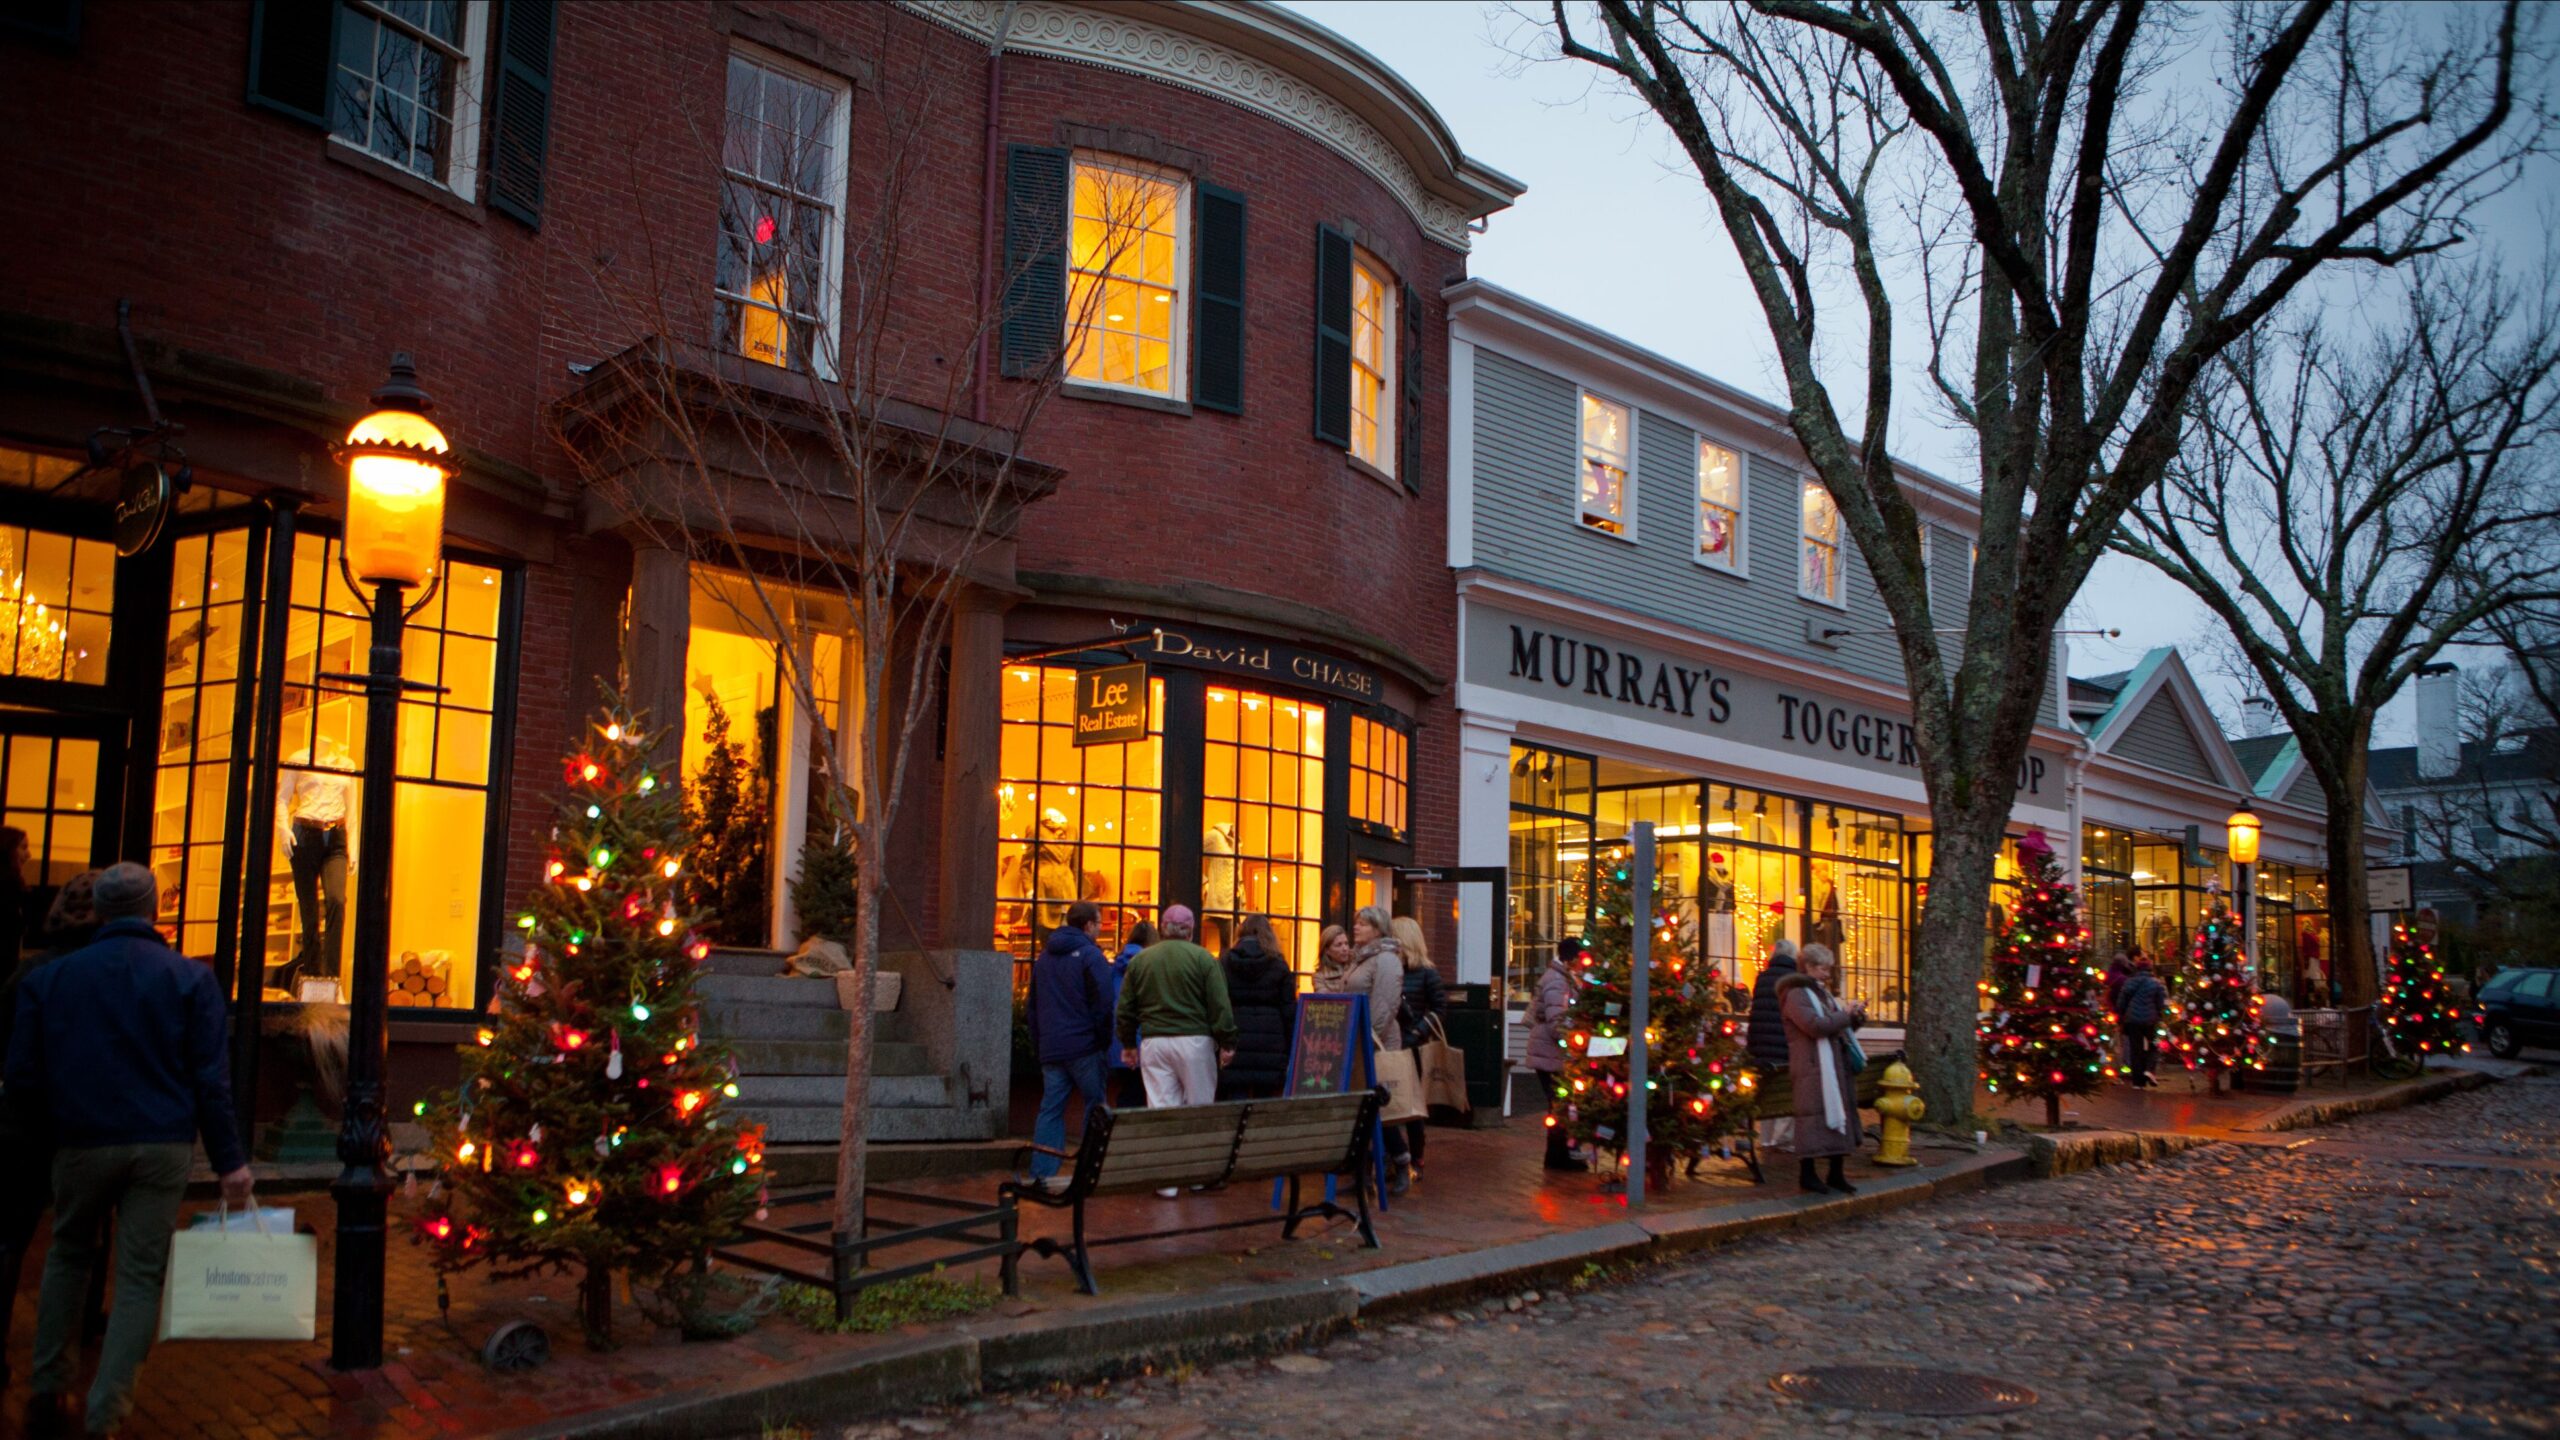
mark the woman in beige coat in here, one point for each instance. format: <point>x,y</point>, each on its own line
<point>1826,1087</point>
<point>1377,970</point>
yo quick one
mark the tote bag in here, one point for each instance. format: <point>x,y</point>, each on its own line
<point>1401,1075</point>
<point>1444,1070</point>
<point>233,1284</point>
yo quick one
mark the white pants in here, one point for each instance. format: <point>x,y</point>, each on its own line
<point>1778,1134</point>
<point>1179,1070</point>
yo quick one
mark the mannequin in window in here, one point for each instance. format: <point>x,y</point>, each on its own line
<point>1827,928</point>
<point>1218,880</point>
<point>1716,894</point>
<point>1056,865</point>
<point>311,825</point>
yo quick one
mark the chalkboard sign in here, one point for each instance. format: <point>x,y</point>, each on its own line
<point>1323,1059</point>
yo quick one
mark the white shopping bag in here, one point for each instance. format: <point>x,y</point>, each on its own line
<point>270,1219</point>
<point>229,1283</point>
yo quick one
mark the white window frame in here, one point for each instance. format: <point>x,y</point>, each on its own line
<point>1589,520</point>
<point>1839,543</point>
<point>470,70</point>
<point>830,306</point>
<point>1389,397</point>
<point>1178,362</point>
<point>1737,558</point>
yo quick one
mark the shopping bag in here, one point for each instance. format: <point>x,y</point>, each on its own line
<point>1444,1071</point>
<point>1401,1075</point>
<point>274,1219</point>
<point>232,1284</point>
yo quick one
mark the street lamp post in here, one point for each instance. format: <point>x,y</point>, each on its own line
<point>396,461</point>
<point>2241,833</point>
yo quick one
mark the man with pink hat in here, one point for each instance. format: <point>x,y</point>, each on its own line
<point>1176,995</point>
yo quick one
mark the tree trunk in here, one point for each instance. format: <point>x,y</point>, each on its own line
<point>2350,938</point>
<point>854,1138</point>
<point>595,1306</point>
<point>1946,971</point>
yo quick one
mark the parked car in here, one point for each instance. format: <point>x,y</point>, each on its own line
<point>2520,1007</point>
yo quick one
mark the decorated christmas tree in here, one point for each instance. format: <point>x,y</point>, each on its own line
<point>2216,1028</point>
<point>589,1125</point>
<point>2417,1006</point>
<point>2044,1034</point>
<point>1700,1082</point>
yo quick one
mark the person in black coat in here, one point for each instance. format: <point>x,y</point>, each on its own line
<point>1765,1034</point>
<point>1264,992</point>
<point>1426,1000</point>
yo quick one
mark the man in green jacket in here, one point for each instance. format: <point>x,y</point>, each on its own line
<point>1176,995</point>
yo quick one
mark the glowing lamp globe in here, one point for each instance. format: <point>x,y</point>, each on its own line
<point>2244,827</point>
<point>397,464</point>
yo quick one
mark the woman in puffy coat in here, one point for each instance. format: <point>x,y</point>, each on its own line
<point>1826,1086</point>
<point>1548,1011</point>
<point>1425,999</point>
<point>1264,992</point>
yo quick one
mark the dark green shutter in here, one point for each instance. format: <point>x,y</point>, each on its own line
<point>1409,360</point>
<point>1035,259</point>
<point>1217,347</point>
<point>1333,336</point>
<point>293,45</point>
<point>520,109</point>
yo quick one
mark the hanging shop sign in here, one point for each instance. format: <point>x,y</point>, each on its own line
<point>1530,657</point>
<point>1111,705</point>
<point>2386,887</point>
<point>142,508</point>
<point>1260,660</point>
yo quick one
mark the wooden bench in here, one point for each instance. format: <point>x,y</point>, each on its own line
<point>1129,1151</point>
<point>1775,1099</point>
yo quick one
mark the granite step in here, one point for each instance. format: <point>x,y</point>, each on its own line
<point>822,1124</point>
<point>744,960</point>
<point>763,1092</point>
<point>826,1057</point>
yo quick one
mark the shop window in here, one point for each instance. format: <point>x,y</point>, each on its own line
<point>1854,903</point>
<point>1073,822</point>
<point>1380,755</point>
<point>57,594</point>
<point>782,189</point>
<point>1752,881</point>
<point>1819,578</point>
<point>48,793</point>
<point>199,703</point>
<point>1124,302</point>
<point>1373,362</point>
<point>1608,447</point>
<point>1719,507</point>
<point>406,84</point>
<point>2106,889</point>
<point>1551,808</point>
<point>1262,819</point>
<point>446,754</point>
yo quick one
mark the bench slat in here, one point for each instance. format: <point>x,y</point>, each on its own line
<point>1176,1120</point>
<point>1292,1163</point>
<point>1217,1144</point>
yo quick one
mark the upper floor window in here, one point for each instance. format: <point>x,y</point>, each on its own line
<point>405,82</point>
<point>1820,577</point>
<point>1124,298</point>
<point>1719,507</point>
<point>1608,444</point>
<point>1373,362</point>
<point>781,212</point>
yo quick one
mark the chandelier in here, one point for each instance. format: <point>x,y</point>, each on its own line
<point>31,634</point>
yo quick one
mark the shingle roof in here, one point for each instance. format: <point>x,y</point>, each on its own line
<point>2257,752</point>
<point>2536,759</point>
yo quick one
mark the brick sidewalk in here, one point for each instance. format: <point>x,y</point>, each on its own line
<point>1479,1189</point>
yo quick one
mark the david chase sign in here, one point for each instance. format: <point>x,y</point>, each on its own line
<point>1528,657</point>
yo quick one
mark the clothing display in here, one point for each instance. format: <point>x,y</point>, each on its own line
<point>1218,870</point>
<point>312,812</point>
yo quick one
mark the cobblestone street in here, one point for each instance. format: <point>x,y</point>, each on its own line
<point>2389,1276</point>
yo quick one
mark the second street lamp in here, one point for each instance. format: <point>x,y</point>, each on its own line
<point>397,463</point>
<point>2241,831</point>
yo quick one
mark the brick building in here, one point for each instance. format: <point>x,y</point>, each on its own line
<point>1239,480</point>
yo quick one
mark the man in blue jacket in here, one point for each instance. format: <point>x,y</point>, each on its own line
<point>1071,1012</point>
<point>118,1050</point>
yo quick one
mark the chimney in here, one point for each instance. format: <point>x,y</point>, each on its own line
<point>2257,716</point>
<point>2439,721</point>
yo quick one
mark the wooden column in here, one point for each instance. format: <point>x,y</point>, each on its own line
<point>653,643</point>
<point>971,736</point>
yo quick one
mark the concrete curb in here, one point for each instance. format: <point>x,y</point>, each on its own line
<point>2076,1151</point>
<point>2420,1091</point>
<point>898,1375</point>
<point>1113,1338</point>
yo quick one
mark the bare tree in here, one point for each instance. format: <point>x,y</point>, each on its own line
<point>2496,820</point>
<point>851,478</point>
<point>2085,207</point>
<point>2349,507</point>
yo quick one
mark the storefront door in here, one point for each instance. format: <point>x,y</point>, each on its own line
<point>59,775</point>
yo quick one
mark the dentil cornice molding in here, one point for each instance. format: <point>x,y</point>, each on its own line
<point>1142,47</point>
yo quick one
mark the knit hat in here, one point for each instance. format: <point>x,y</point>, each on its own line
<point>124,891</point>
<point>75,905</point>
<point>1179,917</point>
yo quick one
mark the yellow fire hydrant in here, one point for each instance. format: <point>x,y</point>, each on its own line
<point>1896,1109</point>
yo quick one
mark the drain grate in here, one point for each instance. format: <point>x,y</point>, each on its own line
<point>1902,1390</point>
<point>2016,1229</point>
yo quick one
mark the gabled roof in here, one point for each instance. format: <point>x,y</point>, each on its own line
<point>2124,685</point>
<point>2256,753</point>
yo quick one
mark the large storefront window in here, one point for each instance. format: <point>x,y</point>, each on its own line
<point>447,754</point>
<point>1551,803</point>
<point>48,784</point>
<point>1381,757</point>
<point>2170,897</point>
<point>1262,819</point>
<point>2106,889</point>
<point>2274,884</point>
<point>1073,821</point>
<point>1854,904</point>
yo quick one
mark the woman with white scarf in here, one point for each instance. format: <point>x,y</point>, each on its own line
<point>1819,1065</point>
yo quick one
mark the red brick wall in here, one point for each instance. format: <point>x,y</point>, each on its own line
<point>144,174</point>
